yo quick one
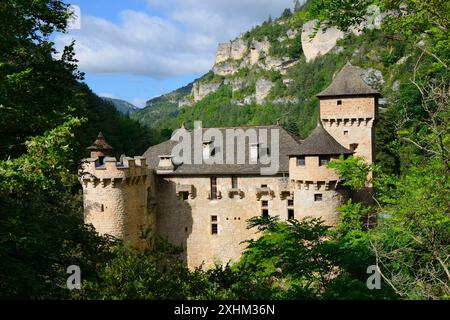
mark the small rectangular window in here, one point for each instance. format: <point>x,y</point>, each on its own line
<point>265,213</point>
<point>290,214</point>
<point>213,188</point>
<point>300,161</point>
<point>339,102</point>
<point>185,195</point>
<point>264,186</point>
<point>345,132</point>
<point>214,228</point>
<point>353,146</point>
<point>324,160</point>
<point>264,203</point>
<point>318,197</point>
<point>234,182</point>
<point>290,202</point>
<point>213,218</point>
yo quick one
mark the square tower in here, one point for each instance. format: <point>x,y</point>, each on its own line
<point>348,111</point>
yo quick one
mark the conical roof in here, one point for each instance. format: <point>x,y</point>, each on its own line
<point>348,82</point>
<point>320,142</point>
<point>100,143</point>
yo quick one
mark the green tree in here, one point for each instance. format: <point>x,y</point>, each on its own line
<point>41,226</point>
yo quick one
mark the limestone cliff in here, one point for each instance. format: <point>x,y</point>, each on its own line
<point>271,74</point>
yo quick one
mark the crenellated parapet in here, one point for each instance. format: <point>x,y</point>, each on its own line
<point>129,171</point>
<point>317,185</point>
<point>334,121</point>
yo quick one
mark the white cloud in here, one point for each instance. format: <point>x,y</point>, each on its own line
<point>138,102</point>
<point>181,41</point>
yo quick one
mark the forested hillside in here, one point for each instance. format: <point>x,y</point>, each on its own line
<point>47,119</point>
<point>122,106</point>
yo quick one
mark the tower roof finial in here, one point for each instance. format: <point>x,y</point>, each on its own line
<point>100,143</point>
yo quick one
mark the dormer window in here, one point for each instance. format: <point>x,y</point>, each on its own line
<point>165,162</point>
<point>324,160</point>
<point>300,161</point>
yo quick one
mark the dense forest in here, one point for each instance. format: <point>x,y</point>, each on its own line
<point>48,117</point>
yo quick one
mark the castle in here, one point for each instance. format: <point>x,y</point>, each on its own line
<point>204,206</point>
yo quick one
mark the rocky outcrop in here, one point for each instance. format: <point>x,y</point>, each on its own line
<point>223,52</point>
<point>233,50</point>
<point>185,102</point>
<point>323,41</point>
<point>292,33</point>
<point>245,101</point>
<point>238,49</point>
<point>285,100</point>
<point>201,90</point>
<point>276,64</point>
<point>372,77</point>
<point>236,84</point>
<point>263,87</point>
<point>259,49</point>
<point>325,38</point>
<point>225,68</point>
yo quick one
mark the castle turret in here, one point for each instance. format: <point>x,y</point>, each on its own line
<point>118,196</point>
<point>348,111</point>
<point>100,148</point>
<point>318,191</point>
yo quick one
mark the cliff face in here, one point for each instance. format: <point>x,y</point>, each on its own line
<point>261,53</point>
<point>273,72</point>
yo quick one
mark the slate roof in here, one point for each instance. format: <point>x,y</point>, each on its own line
<point>100,143</point>
<point>320,142</point>
<point>348,82</point>
<point>288,144</point>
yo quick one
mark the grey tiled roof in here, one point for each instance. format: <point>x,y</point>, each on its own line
<point>320,142</point>
<point>348,82</point>
<point>288,143</point>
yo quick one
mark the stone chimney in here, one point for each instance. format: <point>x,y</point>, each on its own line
<point>100,148</point>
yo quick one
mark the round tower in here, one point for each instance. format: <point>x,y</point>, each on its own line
<point>118,196</point>
<point>318,192</point>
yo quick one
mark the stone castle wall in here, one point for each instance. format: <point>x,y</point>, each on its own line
<point>305,203</point>
<point>117,197</point>
<point>352,122</point>
<point>188,222</point>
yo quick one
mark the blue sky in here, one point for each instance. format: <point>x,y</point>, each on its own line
<point>139,49</point>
